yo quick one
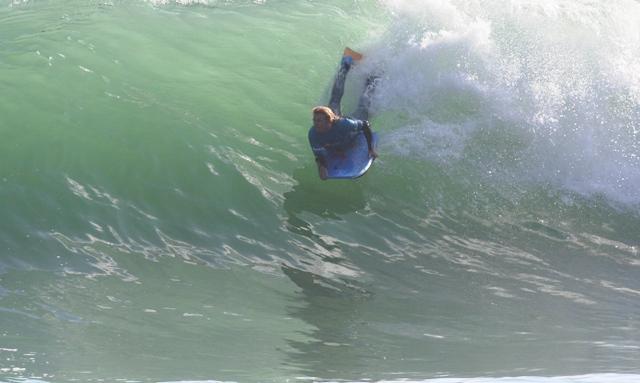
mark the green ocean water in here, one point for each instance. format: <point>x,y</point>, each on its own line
<point>162,218</point>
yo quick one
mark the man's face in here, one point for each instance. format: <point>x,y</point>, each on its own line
<point>321,122</point>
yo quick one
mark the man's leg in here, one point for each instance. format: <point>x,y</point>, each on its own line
<point>362,111</point>
<point>338,84</point>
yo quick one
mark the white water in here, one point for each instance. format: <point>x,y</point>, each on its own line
<point>547,92</point>
<point>592,378</point>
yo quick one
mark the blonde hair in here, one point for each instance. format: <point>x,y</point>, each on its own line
<point>327,112</point>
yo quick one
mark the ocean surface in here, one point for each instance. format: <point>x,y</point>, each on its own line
<point>162,220</point>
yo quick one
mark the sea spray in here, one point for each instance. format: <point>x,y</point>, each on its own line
<point>532,92</point>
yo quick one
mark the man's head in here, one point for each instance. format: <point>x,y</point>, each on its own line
<point>323,118</point>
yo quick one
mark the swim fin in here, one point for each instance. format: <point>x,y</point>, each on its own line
<point>355,56</point>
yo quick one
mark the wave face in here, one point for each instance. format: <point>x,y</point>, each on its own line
<point>162,218</point>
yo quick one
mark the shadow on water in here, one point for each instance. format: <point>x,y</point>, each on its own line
<point>328,303</point>
<point>327,199</point>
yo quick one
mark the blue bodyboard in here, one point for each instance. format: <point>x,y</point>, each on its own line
<point>350,163</point>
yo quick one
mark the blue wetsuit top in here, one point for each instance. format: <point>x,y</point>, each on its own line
<point>339,137</point>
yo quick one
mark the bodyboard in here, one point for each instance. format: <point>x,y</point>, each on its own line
<point>352,162</point>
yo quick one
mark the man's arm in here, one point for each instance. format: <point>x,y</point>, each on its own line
<point>319,152</point>
<point>322,168</point>
<point>366,129</point>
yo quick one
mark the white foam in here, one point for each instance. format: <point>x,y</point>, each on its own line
<point>592,378</point>
<point>179,2</point>
<point>563,77</point>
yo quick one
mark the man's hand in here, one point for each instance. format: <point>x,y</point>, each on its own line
<point>373,154</point>
<point>322,169</point>
<point>322,172</point>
